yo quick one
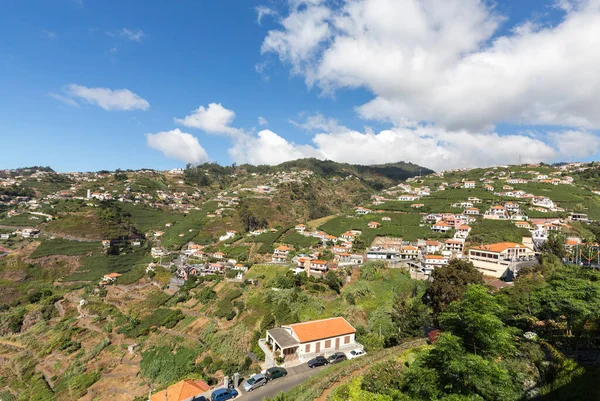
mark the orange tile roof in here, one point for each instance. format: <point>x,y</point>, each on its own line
<point>113,275</point>
<point>500,247</point>
<point>437,257</point>
<point>182,390</point>
<point>284,248</point>
<point>432,243</point>
<point>410,248</point>
<point>321,329</point>
<point>319,262</point>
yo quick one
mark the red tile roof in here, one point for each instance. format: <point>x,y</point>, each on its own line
<point>322,329</point>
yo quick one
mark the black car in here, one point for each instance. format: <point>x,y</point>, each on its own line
<point>336,358</point>
<point>275,372</point>
<point>318,361</point>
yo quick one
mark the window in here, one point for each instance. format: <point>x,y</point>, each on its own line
<point>307,348</point>
<point>347,340</point>
<point>328,344</point>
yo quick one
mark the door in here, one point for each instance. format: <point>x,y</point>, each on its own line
<point>318,349</point>
<point>337,343</point>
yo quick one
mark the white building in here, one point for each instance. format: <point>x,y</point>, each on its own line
<point>300,342</point>
<point>495,259</point>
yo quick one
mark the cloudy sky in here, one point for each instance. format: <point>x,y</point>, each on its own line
<point>89,84</point>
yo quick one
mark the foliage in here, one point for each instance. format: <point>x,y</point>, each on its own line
<point>411,318</point>
<point>449,284</point>
<point>488,231</point>
<point>163,365</point>
<point>476,320</point>
<point>64,247</point>
<point>159,317</point>
<point>249,220</point>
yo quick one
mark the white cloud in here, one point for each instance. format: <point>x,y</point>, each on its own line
<point>214,119</point>
<point>268,148</point>
<point>318,122</point>
<point>262,11</point>
<point>178,145</point>
<point>50,34</point>
<point>135,35</point>
<point>262,121</point>
<point>575,143</point>
<point>427,146</point>
<point>444,62</point>
<point>108,99</point>
<point>64,99</point>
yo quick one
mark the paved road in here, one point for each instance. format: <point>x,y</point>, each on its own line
<point>295,376</point>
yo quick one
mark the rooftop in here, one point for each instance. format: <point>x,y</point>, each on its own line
<point>182,390</point>
<point>321,329</point>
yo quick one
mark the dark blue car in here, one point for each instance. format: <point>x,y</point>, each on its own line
<point>223,394</point>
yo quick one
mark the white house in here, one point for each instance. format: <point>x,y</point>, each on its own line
<point>469,184</point>
<point>430,262</point>
<point>281,253</point>
<point>441,227</point>
<point>408,198</point>
<point>494,259</point>
<point>300,342</point>
<point>362,210</point>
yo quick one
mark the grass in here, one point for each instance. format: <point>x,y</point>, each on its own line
<point>97,265</point>
<point>492,231</point>
<point>146,218</point>
<point>64,247</point>
<point>85,225</point>
<point>23,219</point>
<point>265,272</point>
<point>407,226</point>
<point>267,239</point>
<point>297,240</point>
<point>178,235</point>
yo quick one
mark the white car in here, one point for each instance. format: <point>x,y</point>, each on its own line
<point>355,353</point>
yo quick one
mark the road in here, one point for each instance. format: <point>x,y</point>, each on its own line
<point>296,375</point>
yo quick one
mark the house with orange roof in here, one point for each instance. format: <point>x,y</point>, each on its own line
<point>409,252</point>
<point>430,262</point>
<point>281,253</point>
<point>111,277</point>
<point>471,211</point>
<point>374,224</point>
<point>348,236</point>
<point>441,227</point>
<point>185,390</point>
<point>297,343</point>
<point>300,228</point>
<point>318,265</point>
<point>495,259</point>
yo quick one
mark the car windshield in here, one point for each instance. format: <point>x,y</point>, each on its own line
<point>251,380</point>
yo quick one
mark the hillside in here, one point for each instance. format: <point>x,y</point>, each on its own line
<point>198,281</point>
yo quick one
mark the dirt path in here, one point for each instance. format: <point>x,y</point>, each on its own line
<point>60,308</point>
<point>12,344</point>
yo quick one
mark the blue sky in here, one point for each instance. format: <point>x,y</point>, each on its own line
<point>174,57</point>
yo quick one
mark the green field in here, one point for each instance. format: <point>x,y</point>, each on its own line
<point>267,239</point>
<point>493,231</point>
<point>64,247</point>
<point>23,219</point>
<point>97,265</point>
<point>407,226</point>
<point>298,241</point>
<point>146,218</point>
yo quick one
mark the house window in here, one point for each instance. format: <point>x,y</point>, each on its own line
<point>347,340</point>
<point>328,344</point>
<point>307,348</point>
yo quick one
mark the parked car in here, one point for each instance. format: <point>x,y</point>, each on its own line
<point>254,382</point>
<point>275,372</point>
<point>318,361</point>
<point>223,394</point>
<point>355,353</point>
<point>336,358</point>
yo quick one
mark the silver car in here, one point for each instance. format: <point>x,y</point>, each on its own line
<point>254,382</point>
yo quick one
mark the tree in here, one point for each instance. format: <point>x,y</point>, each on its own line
<point>476,320</point>
<point>411,317</point>
<point>450,283</point>
<point>450,372</point>
<point>555,245</point>
<point>572,292</point>
<point>333,281</point>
